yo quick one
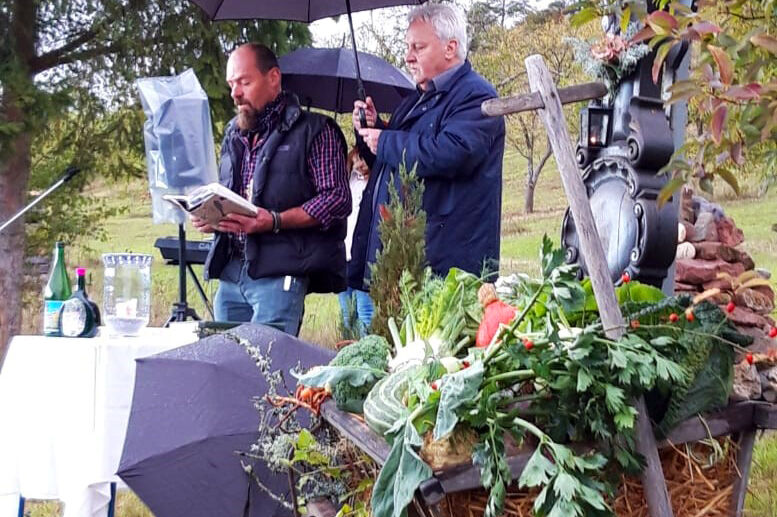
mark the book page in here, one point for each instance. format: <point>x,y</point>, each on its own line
<point>212,203</point>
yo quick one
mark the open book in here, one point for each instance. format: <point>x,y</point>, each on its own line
<point>212,203</point>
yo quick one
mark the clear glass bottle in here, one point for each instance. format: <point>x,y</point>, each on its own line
<point>56,292</point>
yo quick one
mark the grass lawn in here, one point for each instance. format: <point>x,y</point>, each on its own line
<point>521,235</point>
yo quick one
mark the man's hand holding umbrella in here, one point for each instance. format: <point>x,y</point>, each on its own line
<point>369,110</point>
<point>369,134</point>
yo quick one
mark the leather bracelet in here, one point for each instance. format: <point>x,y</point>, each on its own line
<point>276,221</point>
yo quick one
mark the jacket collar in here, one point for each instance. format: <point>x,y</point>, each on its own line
<point>292,112</point>
<point>417,105</point>
<point>443,79</point>
<point>447,81</point>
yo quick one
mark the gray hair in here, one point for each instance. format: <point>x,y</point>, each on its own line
<point>448,22</point>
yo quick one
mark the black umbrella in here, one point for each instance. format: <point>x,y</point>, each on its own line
<point>326,78</point>
<point>301,11</point>
<point>192,411</point>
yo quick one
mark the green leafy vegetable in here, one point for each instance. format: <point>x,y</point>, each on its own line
<point>456,390</point>
<point>401,475</point>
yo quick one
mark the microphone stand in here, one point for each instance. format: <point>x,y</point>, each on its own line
<point>69,173</point>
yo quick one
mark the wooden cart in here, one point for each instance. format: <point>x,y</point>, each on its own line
<point>741,421</point>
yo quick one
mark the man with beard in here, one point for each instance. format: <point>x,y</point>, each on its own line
<point>457,152</point>
<point>291,164</point>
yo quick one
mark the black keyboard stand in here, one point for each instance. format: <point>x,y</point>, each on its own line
<point>200,290</point>
<point>181,310</point>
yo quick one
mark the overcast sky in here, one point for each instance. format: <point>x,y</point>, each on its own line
<point>323,30</point>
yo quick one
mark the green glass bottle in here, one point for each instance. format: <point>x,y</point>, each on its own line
<point>79,316</point>
<point>55,293</point>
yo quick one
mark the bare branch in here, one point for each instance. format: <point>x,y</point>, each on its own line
<point>102,50</point>
<point>57,56</point>
<point>508,80</point>
<point>544,159</point>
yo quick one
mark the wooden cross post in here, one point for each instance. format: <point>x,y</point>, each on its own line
<point>542,86</point>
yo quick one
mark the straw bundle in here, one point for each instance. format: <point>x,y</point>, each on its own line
<point>700,479</point>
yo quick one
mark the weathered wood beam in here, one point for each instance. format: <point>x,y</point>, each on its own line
<point>354,428</point>
<point>540,81</point>
<point>744,461</point>
<point>733,419</point>
<point>765,416</point>
<point>533,101</point>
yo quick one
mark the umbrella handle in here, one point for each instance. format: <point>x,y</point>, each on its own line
<point>359,85</point>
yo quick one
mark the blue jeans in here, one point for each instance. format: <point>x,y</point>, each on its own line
<point>364,308</point>
<point>274,301</point>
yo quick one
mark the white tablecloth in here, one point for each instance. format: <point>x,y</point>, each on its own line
<point>64,406</point>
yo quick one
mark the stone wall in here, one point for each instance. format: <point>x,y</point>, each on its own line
<point>710,260</point>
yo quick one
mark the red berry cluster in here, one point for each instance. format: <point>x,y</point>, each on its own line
<point>674,318</point>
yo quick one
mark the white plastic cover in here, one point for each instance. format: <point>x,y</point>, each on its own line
<point>180,153</point>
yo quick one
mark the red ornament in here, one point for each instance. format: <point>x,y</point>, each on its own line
<point>674,317</point>
<point>528,344</point>
<point>773,332</point>
<point>625,278</point>
<point>689,315</point>
<point>730,307</point>
<point>434,385</point>
<point>749,358</point>
<point>465,364</point>
<point>635,324</point>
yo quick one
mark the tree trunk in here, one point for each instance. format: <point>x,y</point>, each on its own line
<point>528,201</point>
<point>532,177</point>
<point>15,172</point>
<point>531,184</point>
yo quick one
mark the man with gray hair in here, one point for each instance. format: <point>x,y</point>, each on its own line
<point>457,152</point>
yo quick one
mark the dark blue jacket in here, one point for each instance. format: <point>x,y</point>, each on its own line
<point>458,153</point>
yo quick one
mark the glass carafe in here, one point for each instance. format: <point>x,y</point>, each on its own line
<point>126,292</point>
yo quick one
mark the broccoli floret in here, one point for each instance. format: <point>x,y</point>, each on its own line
<point>369,352</point>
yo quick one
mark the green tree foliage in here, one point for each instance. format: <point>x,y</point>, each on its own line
<point>500,58</point>
<point>67,96</point>
<point>732,89</point>
<point>485,14</point>
<point>402,227</point>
